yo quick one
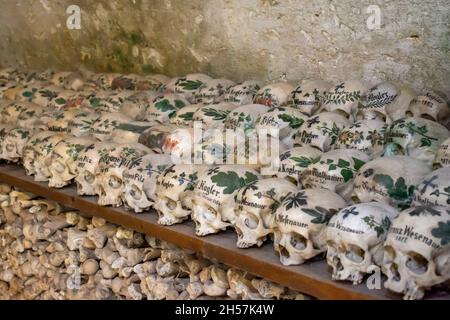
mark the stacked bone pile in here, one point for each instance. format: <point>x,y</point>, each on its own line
<point>363,171</point>
<point>49,253</point>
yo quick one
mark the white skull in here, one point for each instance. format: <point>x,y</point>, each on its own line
<point>174,192</point>
<point>106,123</point>
<point>185,116</point>
<point>415,137</point>
<point>114,100</point>
<point>213,91</point>
<point>243,93</point>
<point>43,155</point>
<point>430,106</point>
<point>389,180</point>
<point>63,166</point>
<point>154,137</point>
<point>214,192</point>
<point>417,251</point>
<point>434,189</point>
<point>214,116</point>
<point>274,95</point>
<point>140,181</point>
<point>14,142</point>
<point>87,166</point>
<point>294,161</point>
<point>30,151</point>
<point>364,135</point>
<point>443,154</point>
<point>254,208</point>
<point>355,237</point>
<point>308,96</point>
<point>321,131</point>
<point>135,105</point>
<point>164,107</point>
<point>335,171</point>
<point>109,177</point>
<point>63,118</point>
<point>188,85</point>
<point>345,97</point>
<point>244,117</point>
<point>300,224</point>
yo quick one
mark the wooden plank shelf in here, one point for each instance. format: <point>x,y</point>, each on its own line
<point>312,278</point>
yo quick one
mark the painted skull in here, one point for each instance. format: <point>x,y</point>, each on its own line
<point>43,155</point>
<point>136,105</point>
<point>155,137</point>
<point>106,123</point>
<point>185,116</point>
<point>30,150</point>
<point>125,82</point>
<point>308,96</point>
<point>129,132</point>
<point>242,93</point>
<point>214,116</point>
<point>377,101</point>
<point>34,117</point>
<point>214,192</point>
<point>430,106</point>
<point>415,137</point>
<point>213,91</point>
<point>244,117</point>
<point>274,95</point>
<point>188,85</point>
<point>254,209</point>
<point>390,180</point>
<point>417,251</point>
<point>140,181</point>
<point>443,154</point>
<point>294,161</point>
<point>164,107</point>
<point>152,82</point>
<point>300,224</point>
<point>81,125</point>
<point>14,142</point>
<point>321,131</point>
<point>355,237</point>
<point>434,189</point>
<point>335,171</point>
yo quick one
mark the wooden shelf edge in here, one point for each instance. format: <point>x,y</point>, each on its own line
<point>312,278</point>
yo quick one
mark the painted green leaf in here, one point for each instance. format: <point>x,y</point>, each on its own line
<point>347,174</point>
<point>332,167</point>
<point>216,114</point>
<point>343,163</point>
<point>132,127</point>
<point>384,180</point>
<point>94,102</point>
<point>179,104</point>
<point>231,181</point>
<point>357,163</point>
<point>442,231</point>
<point>164,105</point>
<point>190,85</point>
<point>60,101</point>
<point>188,116</point>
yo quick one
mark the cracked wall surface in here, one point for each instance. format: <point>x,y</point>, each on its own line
<point>236,39</point>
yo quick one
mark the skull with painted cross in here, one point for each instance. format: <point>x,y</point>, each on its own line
<point>293,162</point>
<point>355,238</point>
<point>308,96</point>
<point>274,95</point>
<point>300,224</point>
<point>434,189</point>
<point>242,93</point>
<point>213,201</point>
<point>417,251</point>
<point>254,209</point>
<point>213,91</point>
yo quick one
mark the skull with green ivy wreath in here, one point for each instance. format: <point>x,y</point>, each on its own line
<point>29,151</point>
<point>214,116</point>
<point>434,189</point>
<point>164,107</point>
<point>242,93</point>
<point>443,155</point>
<point>335,171</point>
<point>415,137</point>
<point>254,209</point>
<point>300,224</point>
<point>274,95</point>
<point>42,96</point>
<point>63,166</point>
<point>213,202</point>
<point>106,124</point>
<point>308,96</point>
<point>364,135</point>
<point>389,180</point>
<point>188,85</point>
<point>245,117</point>
<point>139,182</point>
<point>321,131</point>
<point>14,142</point>
<point>43,155</point>
<point>111,166</point>
<point>184,117</point>
<point>293,162</point>
<point>355,238</point>
<point>213,91</point>
<point>417,251</point>
<point>281,122</point>
<point>174,192</point>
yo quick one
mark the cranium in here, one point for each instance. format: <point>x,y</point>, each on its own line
<point>139,182</point>
<point>308,96</point>
<point>188,85</point>
<point>14,143</point>
<point>101,80</point>
<point>434,189</point>
<point>34,117</point>
<point>174,192</point>
<point>63,166</point>
<point>185,116</point>
<point>212,208</point>
<point>415,137</point>
<point>244,117</point>
<point>430,106</point>
<point>11,110</point>
<point>4,130</point>
<point>180,144</point>
<point>87,166</point>
<point>443,154</point>
<point>243,93</point>
<point>135,106</point>
<point>68,80</point>
<point>42,159</point>
<point>154,137</point>
<point>164,107</point>
<point>113,101</point>
<point>344,98</point>
<point>81,125</point>
<point>106,123</point>
<point>214,116</point>
<point>335,171</point>
<point>30,150</point>
<point>152,82</point>
<point>364,135</point>
<point>300,224</point>
<point>254,208</point>
<point>213,91</point>
<point>125,82</point>
<point>274,95</point>
<point>294,161</point>
<point>389,180</point>
<point>321,131</point>
<point>417,251</point>
<point>355,238</point>
<point>109,177</point>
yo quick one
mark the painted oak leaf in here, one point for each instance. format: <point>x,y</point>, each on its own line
<point>231,180</point>
<point>442,231</point>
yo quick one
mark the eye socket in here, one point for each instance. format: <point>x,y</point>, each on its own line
<point>251,221</point>
<point>298,241</point>
<point>114,182</point>
<point>354,253</point>
<point>416,263</point>
<point>172,205</point>
<point>135,193</point>
<point>59,167</point>
<point>89,177</point>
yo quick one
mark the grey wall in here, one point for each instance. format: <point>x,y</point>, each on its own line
<point>238,39</point>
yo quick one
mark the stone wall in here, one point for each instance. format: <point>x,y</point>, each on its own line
<point>237,39</point>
